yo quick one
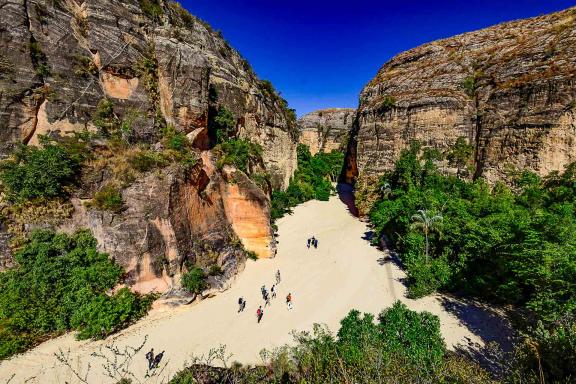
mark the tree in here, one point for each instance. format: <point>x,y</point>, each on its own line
<point>460,154</point>
<point>422,220</point>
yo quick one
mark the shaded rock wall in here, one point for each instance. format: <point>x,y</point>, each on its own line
<point>326,129</point>
<point>509,90</point>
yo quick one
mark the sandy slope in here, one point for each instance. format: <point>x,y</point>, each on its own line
<point>345,272</point>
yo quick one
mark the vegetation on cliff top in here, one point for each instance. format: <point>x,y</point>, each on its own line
<point>509,246</point>
<point>63,283</point>
<point>312,180</point>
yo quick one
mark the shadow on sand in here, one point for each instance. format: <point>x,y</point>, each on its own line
<point>346,195</point>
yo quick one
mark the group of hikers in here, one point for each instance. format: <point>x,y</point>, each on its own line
<point>154,361</point>
<point>266,296</point>
<point>312,241</point>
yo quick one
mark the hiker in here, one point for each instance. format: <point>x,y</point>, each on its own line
<point>315,243</point>
<point>267,300</point>
<point>263,289</point>
<point>289,301</point>
<point>259,314</point>
<point>240,305</point>
<point>157,359</point>
<point>278,277</point>
<point>273,292</point>
<point>308,243</point>
<point>150,358</point>
<point>243,305</point>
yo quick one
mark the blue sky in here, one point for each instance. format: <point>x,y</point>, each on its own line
<point>320,54</point>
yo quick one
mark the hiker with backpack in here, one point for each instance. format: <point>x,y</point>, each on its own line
<point>259,314</point>
<point>241,304</point>
<point>150,358</point>
<point>289,301</point>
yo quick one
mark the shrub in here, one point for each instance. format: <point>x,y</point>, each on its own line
<point>173,139</point>
<point>222,126</point>
<point>144,161</point>
<point>109,198</point>
<point>61,284</point>
<point>240,153</point>
<point>39,172</point>
<point>251,255</point>
<point>215,270</point>
<point>194,280</point>
<point>152,9</point>
<point>312,180</point>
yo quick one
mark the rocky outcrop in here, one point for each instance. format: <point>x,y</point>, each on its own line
<point>510,90</point>
<point>60,58</point>
<point>175,218</point>
<point>326,129</point>
<point>154,66</point>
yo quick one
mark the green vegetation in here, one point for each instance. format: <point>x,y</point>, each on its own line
<point>152,8</point>
<point>40,172</point>
<point>39,60</point>
<point>388,103</point>
<point>509,246</point>
<point>241,153</point>
<point>222,126</point>
<point>460,155</point>
<point>109,198</point>
<point>194,280</point>
<point>402,346</point>
<point>312,180</point>
<point>60,284</point>
<point>85,66</point>
<point>269,92</point>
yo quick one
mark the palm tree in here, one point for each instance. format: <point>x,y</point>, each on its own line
<point>427,223</point>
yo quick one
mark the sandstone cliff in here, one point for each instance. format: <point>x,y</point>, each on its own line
<point>326,129</point>
<point>154,66</point>
<point>509,90</point>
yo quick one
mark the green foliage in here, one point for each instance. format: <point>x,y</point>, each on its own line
<point>460,154</point>
<point>222,126</point>
<point>507,246</point>
<point>251,255</point>
<point>402,346</point>
<point>40,172</point>
<point>312,180</point>
<point>240,153</point>
<point>215,270</point>
<point>144,161</point>
<point>104,118</point>
<point>152,9</point>
<point>194,280</point>
<point>173,139</point>
<point>388,103</point>
<point>109,198</point>
<point>60,284</point>
<point>39,60</point>
<point>85,66</point>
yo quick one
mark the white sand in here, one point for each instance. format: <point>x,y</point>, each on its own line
<point>342,274</point>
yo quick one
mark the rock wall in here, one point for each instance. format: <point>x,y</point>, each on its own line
<point>60,58</point>
<point>157,66</point>
<point>509,90</point>
<point>326,129</point>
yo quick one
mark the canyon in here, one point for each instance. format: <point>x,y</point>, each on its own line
<point>326,129</point>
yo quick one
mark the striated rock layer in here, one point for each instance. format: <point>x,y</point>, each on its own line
<point>510,90</point>
<point>326,129</point>
<point>158,66</point>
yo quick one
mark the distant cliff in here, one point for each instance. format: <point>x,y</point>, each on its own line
<point>509,90</point>
<point>134,73</point>
<point>326,129</point>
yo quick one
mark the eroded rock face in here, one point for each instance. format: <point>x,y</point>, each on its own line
<point>509,90</point>
<point>203,216</point>
<point>60,59</point>
<point>326,129</point>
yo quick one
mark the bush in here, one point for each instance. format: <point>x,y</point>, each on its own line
<point>240,153</point>
<point>109,198</point>
<point>144,161</point>
<point>61,284</point>
<point>222,126</point>
<point>152,8</point>
<point>39,172</point>
<point>194,280</point>
<point>312,180</point>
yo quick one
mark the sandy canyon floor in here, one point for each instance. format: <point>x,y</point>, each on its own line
<point>345,272</point>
